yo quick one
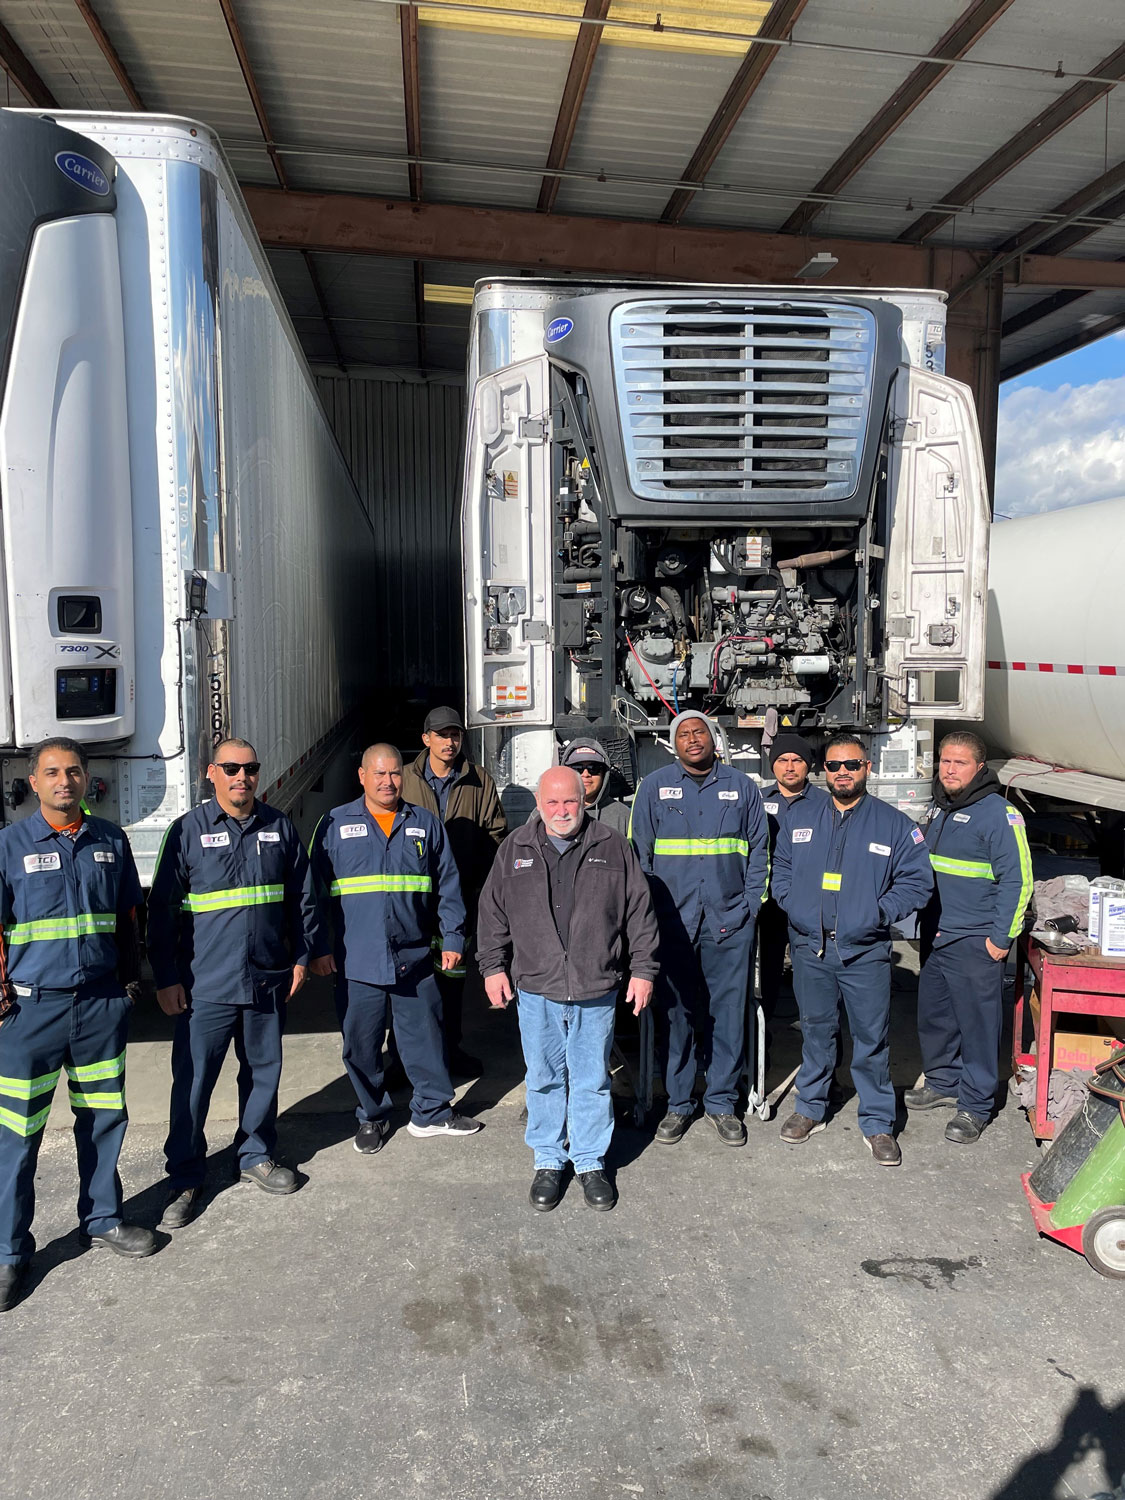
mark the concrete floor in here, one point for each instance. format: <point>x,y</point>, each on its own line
<point>774,1323</point>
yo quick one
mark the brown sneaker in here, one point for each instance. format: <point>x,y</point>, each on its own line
<point>798,1128</point>
<point>885,1149</point>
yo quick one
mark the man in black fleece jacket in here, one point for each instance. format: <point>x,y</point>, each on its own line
<point>566,908</point>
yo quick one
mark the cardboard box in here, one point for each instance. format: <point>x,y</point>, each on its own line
<point>1111,927</point>
<point>1075,1051</point>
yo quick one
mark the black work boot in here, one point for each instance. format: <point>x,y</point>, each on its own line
<point>965,1129</point>
<point>546,1189</point>
<point>130,1240</point>
<point>270,1177</point>
<point>671,1129</point>
<point>598,1190</point>
<point>928,1098</point>
<point>11,1284</point>
<point>182,1207</point>
<point>729,1128</point>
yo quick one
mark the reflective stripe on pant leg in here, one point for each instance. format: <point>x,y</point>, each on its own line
<point>81,1074</point>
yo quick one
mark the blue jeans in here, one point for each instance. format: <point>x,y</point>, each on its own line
<point>566,1050</point>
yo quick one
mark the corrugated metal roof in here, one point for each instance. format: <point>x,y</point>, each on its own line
<point>331,80</point>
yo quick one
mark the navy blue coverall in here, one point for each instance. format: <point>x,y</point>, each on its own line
<point>703,842</point>
<point>842,879</point>
<point>982,865</point>
<point>62,900</point>
<point>231,911</point>
<point>389,897</point>
<point>773,926</point>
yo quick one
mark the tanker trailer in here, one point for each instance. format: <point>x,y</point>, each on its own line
<point>1055,678</point>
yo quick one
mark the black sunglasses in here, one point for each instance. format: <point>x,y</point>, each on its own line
<point>232,767</point>
<point>844,765</point>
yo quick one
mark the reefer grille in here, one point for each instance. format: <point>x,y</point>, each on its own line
<point>754,398</point>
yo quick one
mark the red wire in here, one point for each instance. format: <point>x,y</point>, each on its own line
<point>645,670</point>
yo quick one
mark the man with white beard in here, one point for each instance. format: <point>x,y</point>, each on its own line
<point>565,901</point>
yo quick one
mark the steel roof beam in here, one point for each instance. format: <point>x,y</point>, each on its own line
<point>110,53</point>
<point>1061,232</point>
<point>965,32</point>
<point>1064,346</point>
<point>227,8</point>
<point>1018,147</point>
<point>411,94</point>
<point>412,106</point>
<point>776,27</point>
<point>15,63</point>
<point>356,224</point>
<point>570,106</point>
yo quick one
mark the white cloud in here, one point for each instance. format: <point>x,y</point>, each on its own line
<point>1059,448</point>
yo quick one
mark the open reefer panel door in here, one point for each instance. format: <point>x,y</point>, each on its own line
<point>937,555</point>
<point>507,541</point>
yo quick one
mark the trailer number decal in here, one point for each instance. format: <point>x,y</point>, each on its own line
<point>84,172</point>
<point>559,329</point>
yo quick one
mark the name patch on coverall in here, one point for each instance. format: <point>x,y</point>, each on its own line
<point>214,840</point>
<point>353,830</point>
<point>670,793</point>
<point>105,857</point>
<point>269,836</point>
<point>802,835</point>
<point>879,849</point>
<point>728,796</point>
<point>771,808</point>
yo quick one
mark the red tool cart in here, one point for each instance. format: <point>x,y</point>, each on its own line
<point>1079,984</point>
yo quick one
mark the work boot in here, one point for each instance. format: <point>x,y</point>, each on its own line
<point>885,1149</point>
<point>11,1284</point>
<point>546,1188</point>
<point>729,1128</point>
<point>130,1240</point>
<point>928,1098</point>
<point>456,1125</point>
<point>598,1190</point>
<point>270,1177</point>
<point>182,1207</point>
<point>965,1129</point>
<point>671,1129</point>
<point>799,1127</point>
<point>370,1137</point>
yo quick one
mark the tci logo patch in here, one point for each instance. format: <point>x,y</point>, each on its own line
<point>84,172</point>
<point>559,329</point>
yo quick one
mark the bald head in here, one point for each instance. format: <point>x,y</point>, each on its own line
<point>380,776</point>
<point>381,751</point>
<point>560,798</point>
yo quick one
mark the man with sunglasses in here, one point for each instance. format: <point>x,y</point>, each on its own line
<point>701,834</point>
<point>845,869</point>
<point>590,759</point>
<point>232,919</point>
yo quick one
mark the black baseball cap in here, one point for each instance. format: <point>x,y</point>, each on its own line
<point>442,718</point>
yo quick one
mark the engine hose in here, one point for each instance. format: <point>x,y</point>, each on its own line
<point>675,605</point>
<point>814,559</point>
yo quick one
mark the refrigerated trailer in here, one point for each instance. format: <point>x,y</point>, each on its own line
<point>763,502</point>
<point>184,551</point>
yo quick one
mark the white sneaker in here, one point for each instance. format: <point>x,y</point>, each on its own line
<point>455,1125</point>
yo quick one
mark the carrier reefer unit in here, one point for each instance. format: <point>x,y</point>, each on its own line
<point>184,552</point>
<point>763,502</point>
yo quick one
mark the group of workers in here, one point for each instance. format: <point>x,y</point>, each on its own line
<point>587,904</point>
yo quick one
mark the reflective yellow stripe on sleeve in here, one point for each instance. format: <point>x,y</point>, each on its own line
<point>359,885</point>
<point>199,902</point>
<point>971,869</point>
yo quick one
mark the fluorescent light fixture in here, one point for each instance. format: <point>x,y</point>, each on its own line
<point>820,265</point>
<point>455,296</point>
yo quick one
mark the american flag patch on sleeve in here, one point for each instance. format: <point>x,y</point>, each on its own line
<point>1015,818</point>
<point>917,835</point>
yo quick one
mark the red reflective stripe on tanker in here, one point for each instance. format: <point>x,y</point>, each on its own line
<point>1070,669</point>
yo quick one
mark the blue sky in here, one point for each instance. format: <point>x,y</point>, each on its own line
<point>1061,433</point>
